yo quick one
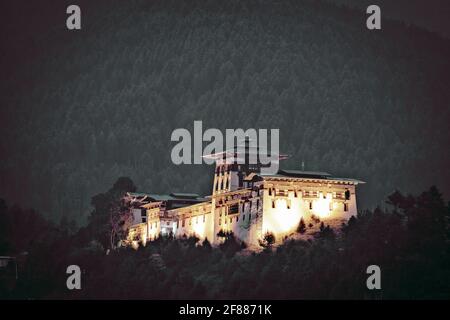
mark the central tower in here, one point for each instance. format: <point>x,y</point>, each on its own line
<point>232,167</point>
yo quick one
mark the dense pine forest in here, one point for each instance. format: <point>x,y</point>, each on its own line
<point>79,110</point>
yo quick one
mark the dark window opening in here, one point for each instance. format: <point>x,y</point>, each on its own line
<point>347,195</point>
<point>233,209</point>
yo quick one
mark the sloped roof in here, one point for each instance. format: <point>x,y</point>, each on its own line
<point>167,197</point>
<point>185,195</point>
<point>305,174</point>
<point>309,175</point>
<point>250,177</point>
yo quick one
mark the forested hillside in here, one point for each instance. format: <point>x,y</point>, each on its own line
<point>102,103</point>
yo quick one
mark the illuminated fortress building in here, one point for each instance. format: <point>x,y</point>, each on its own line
<point>246,202</point>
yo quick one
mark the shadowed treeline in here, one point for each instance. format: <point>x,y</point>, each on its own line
<point>409,241</point>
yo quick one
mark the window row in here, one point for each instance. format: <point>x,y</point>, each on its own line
<point>310,204</point>
<point>240,208</point>
<point>222,184</point>
<point>189,220</point>
<point>309,193</point>
<point>230,220</point>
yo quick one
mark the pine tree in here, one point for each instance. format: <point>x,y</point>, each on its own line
<point>325,232</point>
<point>267,241</point>
<point>206,244</point>
<point>301,226</point>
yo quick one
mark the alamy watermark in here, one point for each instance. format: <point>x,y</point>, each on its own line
<point>74,279</point>
<point>239,146</point>
<point>373,22</point>
<point>73,21</point>
<point>374,280</point>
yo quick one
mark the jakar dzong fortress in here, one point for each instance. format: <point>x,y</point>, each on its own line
<point>246,202</point>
